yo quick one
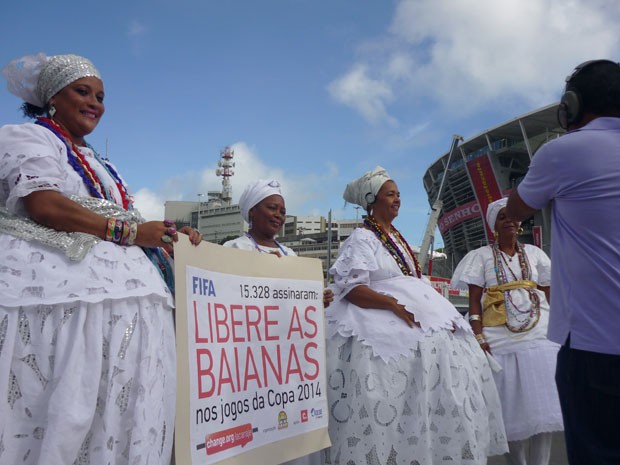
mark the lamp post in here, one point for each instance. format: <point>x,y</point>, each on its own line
<point>329,245</point>
<point>198,218</point>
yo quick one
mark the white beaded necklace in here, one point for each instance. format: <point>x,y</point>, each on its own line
<point>256,246</point>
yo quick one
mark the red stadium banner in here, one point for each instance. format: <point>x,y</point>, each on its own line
<point>485,185</point>
<point>456,216</point>
<point>537,234</point>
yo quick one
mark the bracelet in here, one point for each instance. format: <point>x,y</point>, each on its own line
<point>121,232</point>
<point>109,230</point>
<point>475,318</point>
<point>114,230</point>
<point>130,231</point>
<point>480,338</point>
<point>124,233</point>
<point>133,232</point>
<point>118,231</point>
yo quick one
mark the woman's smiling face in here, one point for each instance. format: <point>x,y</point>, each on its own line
<point>79,107</point>
<point>505,226</point>
<point>388,201</point>
<point>268,216</point>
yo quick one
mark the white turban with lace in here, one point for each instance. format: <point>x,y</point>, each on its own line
<point>363,190</point>
<point>255,192</point>
<point>493,210</point>
<point>37,78</point>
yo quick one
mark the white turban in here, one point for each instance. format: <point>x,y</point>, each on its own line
<point>37,78</point>
<point>256,192</point>
<point>493,210</point>
<point>363,191</point>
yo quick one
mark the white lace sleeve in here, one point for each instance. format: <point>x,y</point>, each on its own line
<point>356,260</point>
<point>470,270</point>
<point>30,160</point>
<point>542,262</point>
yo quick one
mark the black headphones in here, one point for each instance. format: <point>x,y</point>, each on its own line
<point>570,108</point>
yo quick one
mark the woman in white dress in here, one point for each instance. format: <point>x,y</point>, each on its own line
<point>508,286</point>
<point>87,351</point>
<point>263,208</point>
<point>407,382</point>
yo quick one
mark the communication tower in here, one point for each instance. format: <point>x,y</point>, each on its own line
<point>225,170</point>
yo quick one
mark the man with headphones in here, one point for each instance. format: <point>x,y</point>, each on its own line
<point>580,173</point>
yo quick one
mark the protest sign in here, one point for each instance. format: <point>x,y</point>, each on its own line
<point>250,355</point>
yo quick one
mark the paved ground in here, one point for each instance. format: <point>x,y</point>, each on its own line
<point>558,453</point>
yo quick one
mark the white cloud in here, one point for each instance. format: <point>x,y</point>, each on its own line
<point>137,33</point>
<point>467,56</point>
<point>149,204</point>
<point>136,28</point>
<point>363,93</point>
<point>300,190</point>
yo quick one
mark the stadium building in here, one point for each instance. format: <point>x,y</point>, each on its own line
<point>485,168</point>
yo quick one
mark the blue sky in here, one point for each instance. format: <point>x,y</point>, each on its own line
<point>310,92</point>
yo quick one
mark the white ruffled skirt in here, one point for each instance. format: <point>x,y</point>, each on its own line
<point>526,386</point>
<point>438,405</point>
<point>87,383</point>
<point>387,335</point>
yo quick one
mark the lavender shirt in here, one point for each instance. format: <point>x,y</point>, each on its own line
<point>580,173</point>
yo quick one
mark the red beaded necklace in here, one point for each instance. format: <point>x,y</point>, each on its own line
<point>78,162</point>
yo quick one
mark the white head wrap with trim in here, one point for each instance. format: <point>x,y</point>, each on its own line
<point>363,191</point>
<point>255,192</point>
<point>37,78</point>
<point>493,210</point>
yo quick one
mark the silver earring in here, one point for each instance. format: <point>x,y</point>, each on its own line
<point>52,111</point>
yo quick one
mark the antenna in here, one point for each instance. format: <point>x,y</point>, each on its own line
<point>225,170</point>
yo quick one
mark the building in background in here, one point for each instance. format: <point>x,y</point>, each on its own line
<point>485,168</point>
<point>219,220</point>
<point>308,236</point>
<point>471,175</point>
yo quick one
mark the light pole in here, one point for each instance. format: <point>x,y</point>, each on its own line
<point>329,245</point>
<point>198,218</point>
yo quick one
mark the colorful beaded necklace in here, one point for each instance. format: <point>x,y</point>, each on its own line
<point>78,162</point>
<point>371,224</point>
<point>533,313</point>
<point>158,256</point>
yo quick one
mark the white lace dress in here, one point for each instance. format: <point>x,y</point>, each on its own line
<point>401,395</point>
<point>526,383</point>
<point>87,351</point>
